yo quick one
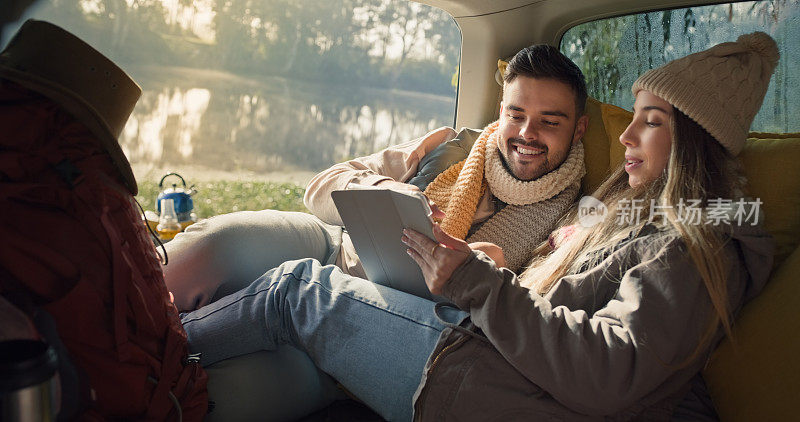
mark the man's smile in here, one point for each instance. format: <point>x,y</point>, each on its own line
<point>527,151</point>
<point>524,152</point>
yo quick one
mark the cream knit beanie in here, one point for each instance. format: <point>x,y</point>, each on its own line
<point>721,88</point>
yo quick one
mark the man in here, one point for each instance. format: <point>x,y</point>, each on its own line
<point>502,189</point>
<point>516,180</point>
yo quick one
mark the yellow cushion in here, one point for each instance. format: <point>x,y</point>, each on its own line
<point>601,141</point>
<point>501,67</point>
<point>616,120</point>
<point>771,165</point>
<point>755,378</point>
<point>595,144</point>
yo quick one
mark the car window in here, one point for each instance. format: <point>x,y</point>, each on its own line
<point>268,91</point>
<point>613,52</point>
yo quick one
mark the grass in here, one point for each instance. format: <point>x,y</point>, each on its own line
<point>219,197</point>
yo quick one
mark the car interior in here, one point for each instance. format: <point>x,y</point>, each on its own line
<point>748,376</point>
<point>754,375</point>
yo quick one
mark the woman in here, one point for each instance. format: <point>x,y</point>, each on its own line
<point>617,320</point>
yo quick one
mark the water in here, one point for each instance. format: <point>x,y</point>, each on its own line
<point>227,122</point>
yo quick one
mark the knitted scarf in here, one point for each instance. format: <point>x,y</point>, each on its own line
<point>533,207</point>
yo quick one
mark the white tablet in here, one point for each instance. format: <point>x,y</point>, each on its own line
<point>375,218</point>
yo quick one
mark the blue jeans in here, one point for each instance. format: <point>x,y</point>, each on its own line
<point>374,340</point>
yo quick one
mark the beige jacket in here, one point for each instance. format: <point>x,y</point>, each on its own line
<point>602,344</point>
<point>398,162</point>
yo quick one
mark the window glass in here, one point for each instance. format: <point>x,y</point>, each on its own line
<point>268,90</point>
<point>613,52</point>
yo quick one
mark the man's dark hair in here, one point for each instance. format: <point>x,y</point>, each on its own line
<point>544,61</point>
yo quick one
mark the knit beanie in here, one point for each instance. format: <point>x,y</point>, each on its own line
<point>721,88</point>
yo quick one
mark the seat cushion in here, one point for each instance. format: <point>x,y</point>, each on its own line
<point>595,144</point>
<point>601,141</point>
<point>616,120</point>
<point>771,165</point>
<point>755,376</point>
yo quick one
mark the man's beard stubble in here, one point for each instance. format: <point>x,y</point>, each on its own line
<point>543,168</point>
<point>540,170</point>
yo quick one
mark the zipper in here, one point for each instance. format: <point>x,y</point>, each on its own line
<point>445,350</point>
<point>436,361</point>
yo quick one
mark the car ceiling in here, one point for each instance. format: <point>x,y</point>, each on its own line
<point>495,29</point>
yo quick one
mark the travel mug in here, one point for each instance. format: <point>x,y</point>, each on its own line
<point>27,381</point>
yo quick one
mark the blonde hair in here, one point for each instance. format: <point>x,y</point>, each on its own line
<point>698,168</point>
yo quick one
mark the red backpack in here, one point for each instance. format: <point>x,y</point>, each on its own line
<point>74,243</point>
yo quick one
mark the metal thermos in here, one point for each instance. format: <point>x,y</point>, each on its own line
<point>27,381</point>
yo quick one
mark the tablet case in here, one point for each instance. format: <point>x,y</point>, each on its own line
<point>374,218</point>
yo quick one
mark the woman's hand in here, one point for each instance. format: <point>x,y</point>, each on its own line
<point>493,251</point>
<point>437,258</point>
